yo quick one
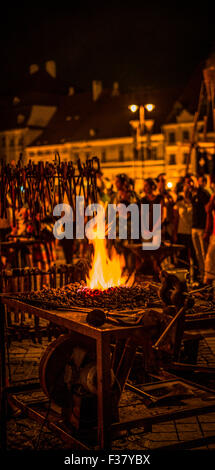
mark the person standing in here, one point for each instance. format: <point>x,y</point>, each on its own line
<point>169,214</point>
<point>183,226</point>
<point>151,258</point>
<point>199,198</point>
<point>209,236</point>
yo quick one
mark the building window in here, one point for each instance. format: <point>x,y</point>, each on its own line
<point>103,156</point>
<point>3,141</point>
<point>185,136</point>
<point>121,154</point>
<point>92,132</point>
<point>172,138</point>
<point>21,142</point>
<point>185,158</point>
<point>12,142</point>
<point>141,153</point>
<point>154,153</point>
<point>172,159</point>
<point>148,153</point>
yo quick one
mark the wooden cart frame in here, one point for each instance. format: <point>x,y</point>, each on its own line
<point>103,337</point>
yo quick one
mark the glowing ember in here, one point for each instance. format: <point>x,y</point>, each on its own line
<point>107,271</point>
<point>86,291</point>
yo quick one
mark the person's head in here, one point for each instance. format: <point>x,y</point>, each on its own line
<point>187,190</point>
<point>161,182</point>
<point>179,185</point>
<point>149,186</point>
<point>99,174</point>
<point>188,180</point>
<point>121,181</point>
<point>131,183</point>
<point>108,185</point>
<point>212,183</point>
<point>202,181</point>
<point>110,189</point>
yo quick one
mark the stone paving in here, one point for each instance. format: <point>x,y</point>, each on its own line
<point>24,433</point>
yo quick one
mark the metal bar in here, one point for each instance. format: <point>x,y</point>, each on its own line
<point>140,392</point>
<point>161,418</point>
<point>126,362</point>
<point>186,381</point>
<point>104,392</point>
<point>36,416</point>
<point>196,116</point>
<point>117,353</point>
<point>172,322</point>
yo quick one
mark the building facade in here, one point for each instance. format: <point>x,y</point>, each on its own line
<point>98,123</point>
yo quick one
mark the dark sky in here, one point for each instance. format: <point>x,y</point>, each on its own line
<point>152,44</point>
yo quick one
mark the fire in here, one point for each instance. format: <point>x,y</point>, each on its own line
<point>107,271</point>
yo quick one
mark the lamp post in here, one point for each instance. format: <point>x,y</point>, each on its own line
<point>138,125</point>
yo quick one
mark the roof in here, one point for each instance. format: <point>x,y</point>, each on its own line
<point>79,118</point>
<point>36,90</point>
<point>13,117</point>
<point>19,115</point>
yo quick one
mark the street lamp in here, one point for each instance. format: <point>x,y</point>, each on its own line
<point>139,124</point>
<point>133,108</point>
<point>149,107</point>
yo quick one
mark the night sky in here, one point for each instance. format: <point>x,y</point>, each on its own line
<point>152,44</point>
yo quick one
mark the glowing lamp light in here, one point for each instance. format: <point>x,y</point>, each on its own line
<point>149,107</point>
<point>169,185</point>
<point>133,108</point>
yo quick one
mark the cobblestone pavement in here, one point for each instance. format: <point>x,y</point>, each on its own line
<point>24,433</point>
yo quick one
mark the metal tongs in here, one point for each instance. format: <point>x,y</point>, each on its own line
<point>126,317</point>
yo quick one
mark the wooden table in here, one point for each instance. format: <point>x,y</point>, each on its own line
<point>74,322</point>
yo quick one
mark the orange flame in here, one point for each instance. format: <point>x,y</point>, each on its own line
<point>107,271</point>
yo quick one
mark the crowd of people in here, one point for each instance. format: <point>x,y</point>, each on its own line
<point>187,217</point>
<point>187,222</point>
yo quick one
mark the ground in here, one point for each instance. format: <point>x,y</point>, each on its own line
<point>24,433</point>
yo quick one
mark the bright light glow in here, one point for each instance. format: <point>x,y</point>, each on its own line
<point>169,185</point>
<point>149,107</point>
<point>107,268</point>
<point>133,108</point>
